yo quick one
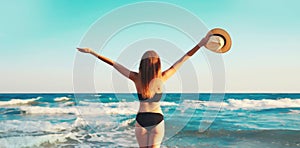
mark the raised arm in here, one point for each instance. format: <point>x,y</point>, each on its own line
<point>169,72</point>
<point>123,70</point>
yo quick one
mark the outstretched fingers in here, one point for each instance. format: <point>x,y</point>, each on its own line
<point>84,50</point>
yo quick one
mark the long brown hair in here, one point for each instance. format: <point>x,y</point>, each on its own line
<point>150,68</point>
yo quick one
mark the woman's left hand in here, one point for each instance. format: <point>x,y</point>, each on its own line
<point>85,50</point>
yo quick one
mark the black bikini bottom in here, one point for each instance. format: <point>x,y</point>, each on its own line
<point>149,120</point>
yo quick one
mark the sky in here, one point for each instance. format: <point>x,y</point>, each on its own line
<point>38,41</point>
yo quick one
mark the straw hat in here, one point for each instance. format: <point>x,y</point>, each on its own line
<point>219,41</point>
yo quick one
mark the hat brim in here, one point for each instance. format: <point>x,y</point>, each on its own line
<point>227,40</point>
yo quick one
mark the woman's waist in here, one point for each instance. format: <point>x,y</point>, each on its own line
<point>150,108</point>
<point>151,111</point>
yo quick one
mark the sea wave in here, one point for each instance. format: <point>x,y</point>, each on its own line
<point>69,103</point>
<point>9,126</point>
<point>60,99</point>
<point>134,104</point>
<point>294,112</point>
<point>35,134</point>
<point>244,104</point>
<point>18,133</point>
<point>15,102</point>
<point>50,140</point>
<point>48,110</point>
<point>78,110</point>
<point>89,108</point>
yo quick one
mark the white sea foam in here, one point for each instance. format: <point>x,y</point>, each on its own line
<point>263,104</point>
<point>32,141</point>
<point>116,138</point>
<point>69,103</point>
<point>80,122</point>
<point>48,110</point>
<point>245,104</point>
<point>127,122</point>
<point>90,109</point>
<point>134,104</point>
<point>163,103</point>
<point>32,126</point>
<point>294,112</point>
<point>14,102</point>
<point>51,134</point>
<point>94,115</point>
<point>107,132</point>
<point>60,99</point>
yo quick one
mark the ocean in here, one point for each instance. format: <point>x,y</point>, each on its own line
<point>191,120</point>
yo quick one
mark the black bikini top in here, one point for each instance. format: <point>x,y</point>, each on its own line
<point>155,98</point>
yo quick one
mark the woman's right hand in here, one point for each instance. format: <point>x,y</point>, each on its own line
<point>204,40</point>
<point>85,50</point>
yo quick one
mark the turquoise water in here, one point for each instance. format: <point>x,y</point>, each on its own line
<point>191,120</point>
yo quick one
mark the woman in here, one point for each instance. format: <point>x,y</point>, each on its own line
<point>149,128</point>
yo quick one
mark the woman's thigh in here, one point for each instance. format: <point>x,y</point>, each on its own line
<point>141,135</point>
<point>157,134</point>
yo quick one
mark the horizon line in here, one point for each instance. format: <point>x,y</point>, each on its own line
<point>106,92</point>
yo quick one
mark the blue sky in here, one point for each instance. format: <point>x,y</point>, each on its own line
<point>38,41</point>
